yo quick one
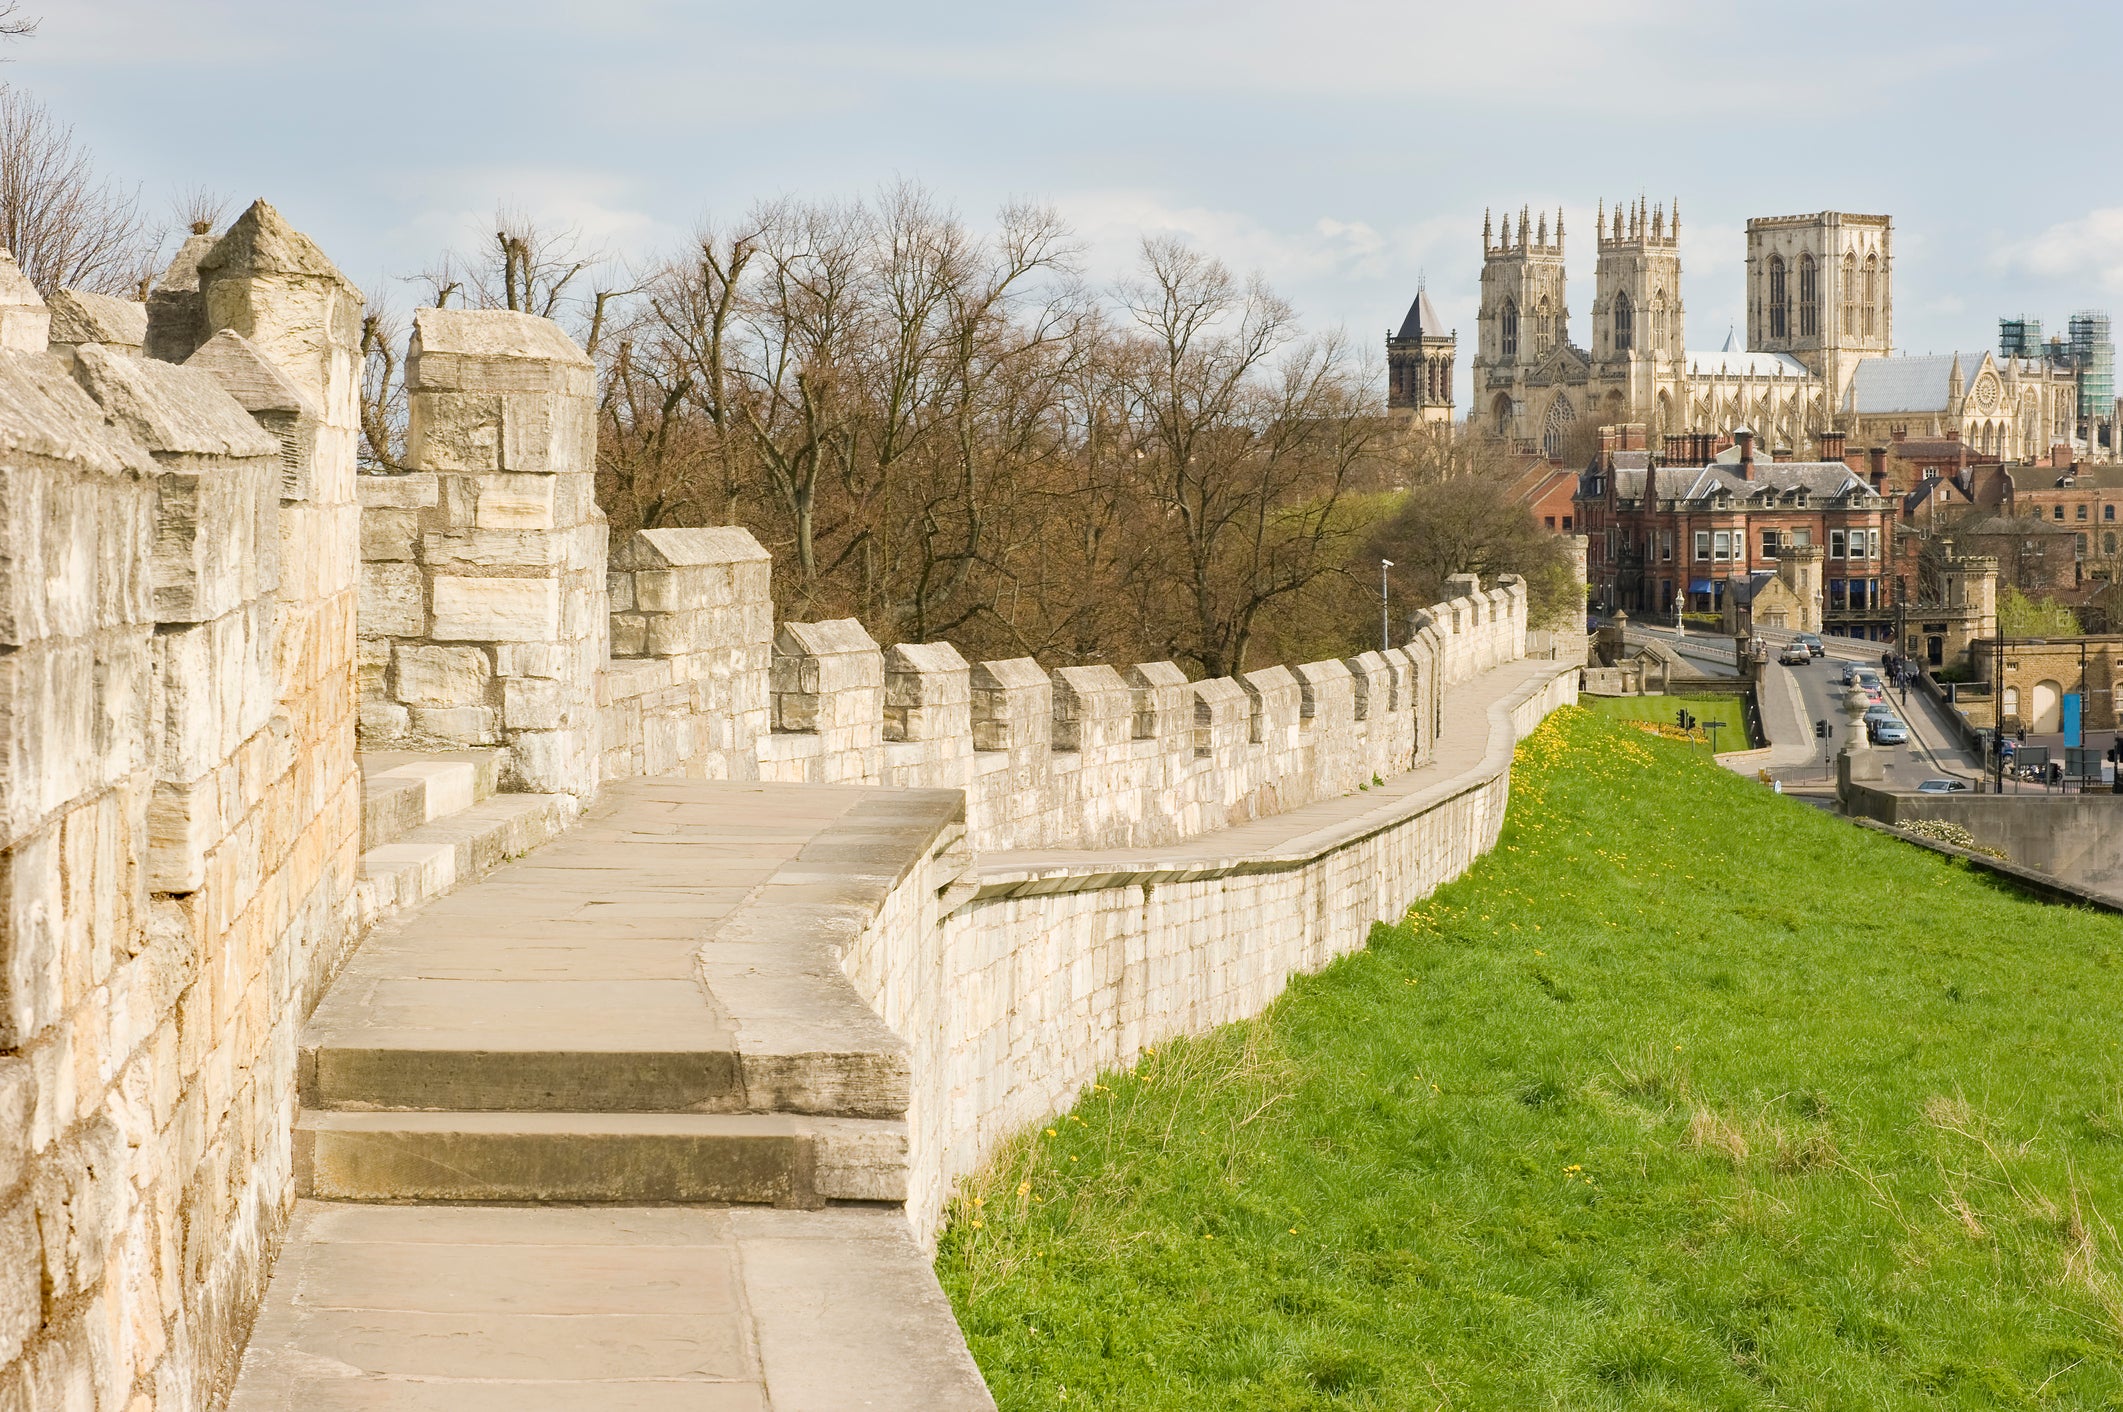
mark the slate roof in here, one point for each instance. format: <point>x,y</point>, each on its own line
<point>1824,480</point>
<point>1735,362</point>
<point>1422,320</point>
<point>1903,384</point>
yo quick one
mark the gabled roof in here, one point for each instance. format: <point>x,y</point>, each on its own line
<point>1422,320</point>
<point>1735,362</point>
<point>1824,479</point>
<point>1903,384</point>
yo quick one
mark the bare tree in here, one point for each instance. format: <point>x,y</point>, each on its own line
<point>65,225</point>
<point>14,24</point>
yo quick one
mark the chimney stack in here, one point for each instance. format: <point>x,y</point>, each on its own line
<point>1745,438</point>
<point>1832,443</point>
<point>1876,456</point>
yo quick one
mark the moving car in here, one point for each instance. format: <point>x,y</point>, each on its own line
<point>1795,655</point>
<point>1889,732</point>
<point>1943,786</point>
<point>1849,674</point>
<point>1811,643</point>
<point>1879,711</point>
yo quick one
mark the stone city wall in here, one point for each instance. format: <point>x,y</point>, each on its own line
<point>199,598</point>
<point>1016,989</point>
<point>179,810</point>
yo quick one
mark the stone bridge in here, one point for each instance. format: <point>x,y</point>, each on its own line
<point>455,961</point>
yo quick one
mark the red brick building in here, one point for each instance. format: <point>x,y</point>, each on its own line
<point>1712,526</point>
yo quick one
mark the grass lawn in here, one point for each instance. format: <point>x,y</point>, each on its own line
<point>1687,1096</point>
<point>1729,709</point>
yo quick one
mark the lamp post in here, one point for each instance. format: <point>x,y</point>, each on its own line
<point>1385,609</point>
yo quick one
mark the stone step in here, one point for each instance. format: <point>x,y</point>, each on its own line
<point>402,789</point>
<point>771,1159</point>
<point>346,1069</point>
<point>453,849</point>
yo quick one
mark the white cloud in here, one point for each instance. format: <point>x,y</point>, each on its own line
<point>2090,247</point>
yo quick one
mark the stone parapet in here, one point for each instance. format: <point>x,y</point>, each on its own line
<point>485,606</point>
<point>178,806</point>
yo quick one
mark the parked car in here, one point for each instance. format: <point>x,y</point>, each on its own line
<point>1889,732</point>
<point>1795,655</point>
<point>1849,674</point>
<point>1811,643</point>
<point>1867,677</point>
<point>1943,786</point>
<point>1879,711</point>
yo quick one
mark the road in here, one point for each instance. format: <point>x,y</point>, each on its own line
<point>1933,749</point>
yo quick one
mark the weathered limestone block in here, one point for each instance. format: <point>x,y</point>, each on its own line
<point>25,321</point>
<point>441,676</point>
<point>1276,701</point>
<point>1163,708</point>
<point>929,696</point>
<point>1013,706</point>
<point>276,404</point>
<point>1223,721</point>
<point>176,316</point>
<point>81,316</point>
<point>1094,712</point>
<point>1337,759</point>
<point>496,609</point>
<point>394,600</point>
<point>828,680</point>
<point>270,283</point>
<point>76,510</point>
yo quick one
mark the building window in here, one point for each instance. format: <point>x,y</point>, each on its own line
<point>1809,297</point>
<point>1702,546</point>
<point>2057,512</point>
<point>1566,522</point>
<point>1799,539</point>
<point>2082,545</point>
<point>1508,328</point>
<point>1769,544</point>
<point>2079,513</point>
<point>2108,542</point>
<point>1666,546</point>
<point>1624,322</point>
<point>2108,512</point>
<point>1777,299</point>
<point>1931,473</point>
<point>1872,295</point>
<point>1835,544</point>
<point>1835,595</point>
<point>1722,546</point>
<point>1850,295</point>
<point>1551,522</point>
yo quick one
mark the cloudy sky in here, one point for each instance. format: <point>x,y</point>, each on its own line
<point>1341,147</point>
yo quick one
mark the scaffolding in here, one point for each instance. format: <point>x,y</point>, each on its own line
<point>2093,357</point>
<point>2020,338</point>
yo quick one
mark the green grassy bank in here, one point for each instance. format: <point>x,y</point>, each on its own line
<point>1687,1096</point>
<point>1729,710</point>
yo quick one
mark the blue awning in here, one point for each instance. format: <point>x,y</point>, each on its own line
<point>1699,585</point>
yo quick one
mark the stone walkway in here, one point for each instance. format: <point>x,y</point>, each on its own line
<point>507,1099</point>
<point>611,1129</point>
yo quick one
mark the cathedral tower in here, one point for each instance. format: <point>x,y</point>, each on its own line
<point>1523,311</point>
<point>1821,288</point>
<point>1636,308</point>
<point>1419,363</point>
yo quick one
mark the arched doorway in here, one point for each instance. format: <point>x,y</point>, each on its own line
<point>2048,702</point>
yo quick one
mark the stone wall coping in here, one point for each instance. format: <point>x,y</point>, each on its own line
<point>170,408</point>
<point>494,333</point>
<point>824,639</point>
<point>924,657</point>
<point>84,316</point>
<point>44,412</point>
<point>1283,841</point>
<point>258,386</point>
<point>688,548</point>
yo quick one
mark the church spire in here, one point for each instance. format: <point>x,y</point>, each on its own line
<point>1675,229</point>
<point>1485,230</point>
<point>1541,241</point>
<point>1525,225</point>
<point>1558,230</point>
<point>1506,245</point>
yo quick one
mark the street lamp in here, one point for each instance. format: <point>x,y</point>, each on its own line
<point>1385,609</point>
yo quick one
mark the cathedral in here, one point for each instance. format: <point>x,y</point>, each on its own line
<point>1819,301</point>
